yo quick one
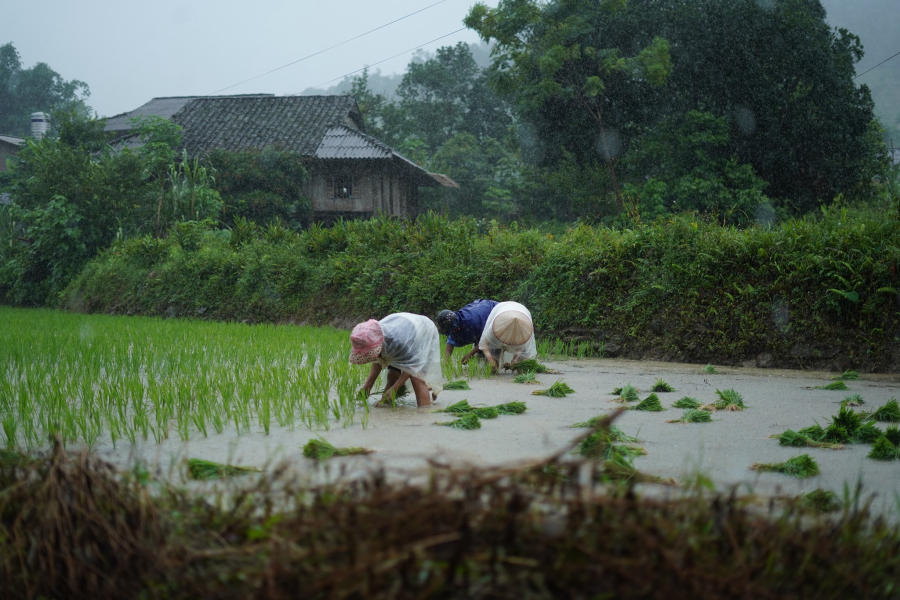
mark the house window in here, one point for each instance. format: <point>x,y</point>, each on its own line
<point>343,186</point>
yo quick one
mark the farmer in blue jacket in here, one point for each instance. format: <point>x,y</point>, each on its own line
<point>464,326</point>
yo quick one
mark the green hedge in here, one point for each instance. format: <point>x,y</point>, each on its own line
<point>817,292</point>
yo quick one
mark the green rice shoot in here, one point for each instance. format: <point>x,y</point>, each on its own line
<point>888,413</point>
<point>650,403</point>
<point>883,449</point>
<point>320,449</point>
<point>709,370</point>
<point>460,407</point>
<point>467,421</point>
<point>559,389</point>
<point>661,386</point>
<point>693,415</point>
<point>819,501</point>
<point>530,364</point>
<point>796,439</point>
<point>628,393</point>
<point>854,400</point>
<point>834,385</point>
<point>847,375</point>
<point>525,377</point>
<point>200,469</point>
<point>459,384</point>
<point>687,402</point>
<point>511,408</point>
<point>729,400</point>
<point>801,467</point>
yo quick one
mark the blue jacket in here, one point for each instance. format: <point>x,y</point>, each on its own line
<point>470,322</point>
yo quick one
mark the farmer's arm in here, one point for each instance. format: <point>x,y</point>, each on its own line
<point>374,372</point>
<point>391,392</point>
<point>469,355</point>
<point>448,350</point>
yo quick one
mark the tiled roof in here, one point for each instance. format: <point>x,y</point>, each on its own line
<point>15,141</point>
<point>164,107</point>
<point>291,123</point>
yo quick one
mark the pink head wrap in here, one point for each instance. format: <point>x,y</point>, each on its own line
<point>365,341</point>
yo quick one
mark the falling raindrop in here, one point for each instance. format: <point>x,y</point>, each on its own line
<point>609,144</point>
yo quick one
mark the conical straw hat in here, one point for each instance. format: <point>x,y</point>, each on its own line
<point>512,327</point>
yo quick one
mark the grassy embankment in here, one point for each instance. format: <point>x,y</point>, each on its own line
<point>818,292</point>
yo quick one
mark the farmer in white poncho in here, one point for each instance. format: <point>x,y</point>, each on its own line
<point>508,331</point>
<point>409,346</point>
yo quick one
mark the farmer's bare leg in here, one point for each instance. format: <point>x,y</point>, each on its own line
<point>395,381</point>
<point>423,396</point>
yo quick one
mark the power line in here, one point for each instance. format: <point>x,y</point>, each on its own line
<point>318,52</point>
<point>420,46</point>
<point>895,55</point>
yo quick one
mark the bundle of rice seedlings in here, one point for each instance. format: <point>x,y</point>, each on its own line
<point>813,432</point>
<point>687,402</point>
<point>893,434</point>
<point>600,445</point>
<point>846,422</point>
<point>486,412</point>
<point>206,469</point>
<point>693,415</point>
<point>460,407</point>
<point>883,449</point>
<point>867,433</point>
<point>729,400</point>
<point>799,466</point>
<point>511,408</point>
<point>530,364</point>
<point>820,501</point>
<point>834,385</point>
<point>525,377</point>
<point>320,449</point>
<point>847,375</point>
<point>460,384</point>
<point>628,393</point>
<point>558,390</point>
<point>798,440</point>
<point>661,386</point>
<point>854,400</point>
<point>466,421</point>
<point>709,369</point>
<point>650,403</point>
<point>889,413</point>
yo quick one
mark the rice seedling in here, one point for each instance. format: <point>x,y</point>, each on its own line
<point>819,501</point>
<point>801,467</point>
<point>467,421</point>
<point>729,400</point>
<point>320,449</point>
<point>600,444</point>
<point>486,412</point>
<point>531,364</point>
<point>460,384</point>
<point>687,402</point>
<point>834,385</point>
<point>199,468</point>
<point>847,375</point>
<point>138,378</point>
<point>693,415</point>
<point>661,386</point>
<point>525,377</point>
<point>709,370</point>
<point>627,393</point>
<point>460,407</point>
<point>854,400</point>
<point>796,439</point>
<point>867,433</point>
<point>650,403</point>
<point>883,449</point>
<point>892,433</point>
<point>559,389</point>
<point>888,413</point>
<point>511,408</point>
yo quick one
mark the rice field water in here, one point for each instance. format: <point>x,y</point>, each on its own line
<point>98,377</point>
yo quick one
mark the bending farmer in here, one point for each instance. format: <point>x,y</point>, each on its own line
<point>409,346</point>
<point>508,330</point>
<point>464,326</point>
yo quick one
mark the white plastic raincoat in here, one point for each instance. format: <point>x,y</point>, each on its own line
<point>490,343</point>
<point>412,344</point>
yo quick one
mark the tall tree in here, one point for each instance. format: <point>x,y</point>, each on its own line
<point>38,89</point>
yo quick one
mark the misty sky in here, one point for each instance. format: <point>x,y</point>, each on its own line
<point>129,52</point>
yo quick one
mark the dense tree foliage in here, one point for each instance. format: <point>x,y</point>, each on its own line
<point>594,80</point>
<point>38,89</point>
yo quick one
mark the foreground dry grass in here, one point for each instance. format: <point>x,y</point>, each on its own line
<point>72,527</point>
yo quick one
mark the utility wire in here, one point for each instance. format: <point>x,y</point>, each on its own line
<point>391,57</point>
<point>895,55</point>
<point>318,52</point>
